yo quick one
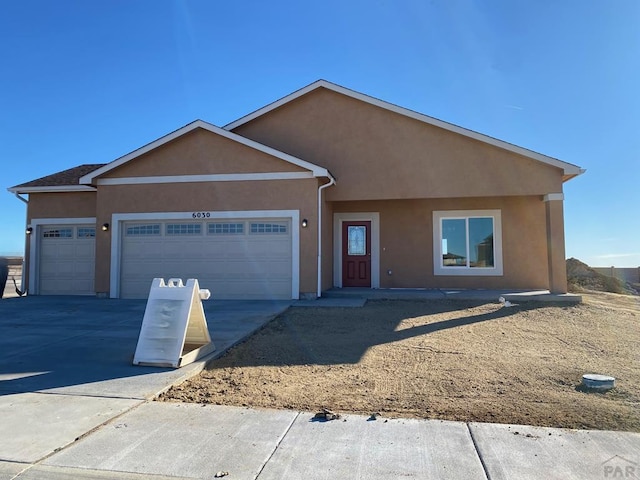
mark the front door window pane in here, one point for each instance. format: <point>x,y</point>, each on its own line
<point>357,241</point>
<point>481,242</point>
<point>454,242</point>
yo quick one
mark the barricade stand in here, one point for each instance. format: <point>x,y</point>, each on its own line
<point>174,329</point>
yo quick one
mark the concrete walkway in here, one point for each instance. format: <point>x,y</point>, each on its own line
<point>73,406</point>
<point>543,296</point>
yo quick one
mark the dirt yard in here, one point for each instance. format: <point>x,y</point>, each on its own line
<point>440,359</point>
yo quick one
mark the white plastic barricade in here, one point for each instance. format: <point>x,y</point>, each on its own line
<point>174,329</point>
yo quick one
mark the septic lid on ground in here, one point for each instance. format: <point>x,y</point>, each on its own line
<point>598,382</point>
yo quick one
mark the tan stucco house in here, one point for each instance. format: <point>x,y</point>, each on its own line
<point>323,188</point>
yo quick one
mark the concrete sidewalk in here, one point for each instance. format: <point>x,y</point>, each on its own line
<point>175,440</point>
<point>73,406</point>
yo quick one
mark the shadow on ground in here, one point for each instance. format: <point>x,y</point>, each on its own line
<point>328,336</point>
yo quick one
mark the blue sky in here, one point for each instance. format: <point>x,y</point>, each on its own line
<point>87,82</point>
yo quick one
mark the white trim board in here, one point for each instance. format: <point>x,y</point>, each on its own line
<point>53,188</point>
<point>569,169</point>
<point>116,238</point>
<point>220,177</point>
<point>552,197</point>
<point>34,252</point>
<point>315,169</point>
<point>338,219</point>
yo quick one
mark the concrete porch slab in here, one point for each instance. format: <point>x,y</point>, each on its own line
<point>452,294</point>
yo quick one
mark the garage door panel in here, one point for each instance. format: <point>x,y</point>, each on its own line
<point>239,269</point>
<point>84,269</point>
<point>229,249</point>
<point>85,249</point>
<point>66,260</point>
<point>66,249</point>
<point>224,256</point>
<point>81,284</point>
<point>57,268</point>
<point>248,289</point>
<point>277,251</point>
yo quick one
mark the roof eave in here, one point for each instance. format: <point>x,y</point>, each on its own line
<point>569,175</point>
<point>52,188</point>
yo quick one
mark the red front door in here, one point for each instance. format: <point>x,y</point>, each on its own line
<point>356,254</point>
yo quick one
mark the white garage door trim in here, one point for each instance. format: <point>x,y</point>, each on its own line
<point>117,220</point>
<point>34,252</point>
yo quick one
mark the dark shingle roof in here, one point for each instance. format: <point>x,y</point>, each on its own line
<point>67,177</point>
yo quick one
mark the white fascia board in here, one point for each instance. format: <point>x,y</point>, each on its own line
<point>568,168</point>
<point>315,169</point>
<point>56,188</point>
<point>222,177</point>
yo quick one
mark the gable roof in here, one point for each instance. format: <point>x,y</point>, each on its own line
<point>315,169</point>
<point>65,181</point>
<point>569,170</point>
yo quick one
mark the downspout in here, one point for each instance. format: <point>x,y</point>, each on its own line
<point>20,198</point>
<point>332,181</point>
<point>24,259</point>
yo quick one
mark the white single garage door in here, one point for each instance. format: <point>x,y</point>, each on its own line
<point>66,261</point>
<point>234,259</point>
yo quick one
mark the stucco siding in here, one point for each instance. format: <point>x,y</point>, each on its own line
<point>406,242</point>
<point>201,152</point>
<point>327,244</point>
<point>378,154</point>
<point>61,205</point>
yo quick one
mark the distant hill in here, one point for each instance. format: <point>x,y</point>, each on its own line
<point>581,276</point>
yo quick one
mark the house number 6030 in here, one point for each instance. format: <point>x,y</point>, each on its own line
<point>201,214</point>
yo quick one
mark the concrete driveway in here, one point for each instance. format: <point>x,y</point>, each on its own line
<point>66,365</point>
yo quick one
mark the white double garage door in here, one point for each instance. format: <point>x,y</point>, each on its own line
<point>233,258</point>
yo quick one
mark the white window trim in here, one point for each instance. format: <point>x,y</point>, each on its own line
<point>34,243</point>
<point>117,220</point>
<point>338,219</point>
<point>440,270</point>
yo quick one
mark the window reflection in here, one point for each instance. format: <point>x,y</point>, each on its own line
<point>481,242</point>
<point>454,242</point>
<point>468,242</point>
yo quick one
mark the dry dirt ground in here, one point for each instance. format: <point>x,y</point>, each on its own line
<point>453,360</point>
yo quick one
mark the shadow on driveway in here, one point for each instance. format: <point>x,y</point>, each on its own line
<point>85,345</point>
